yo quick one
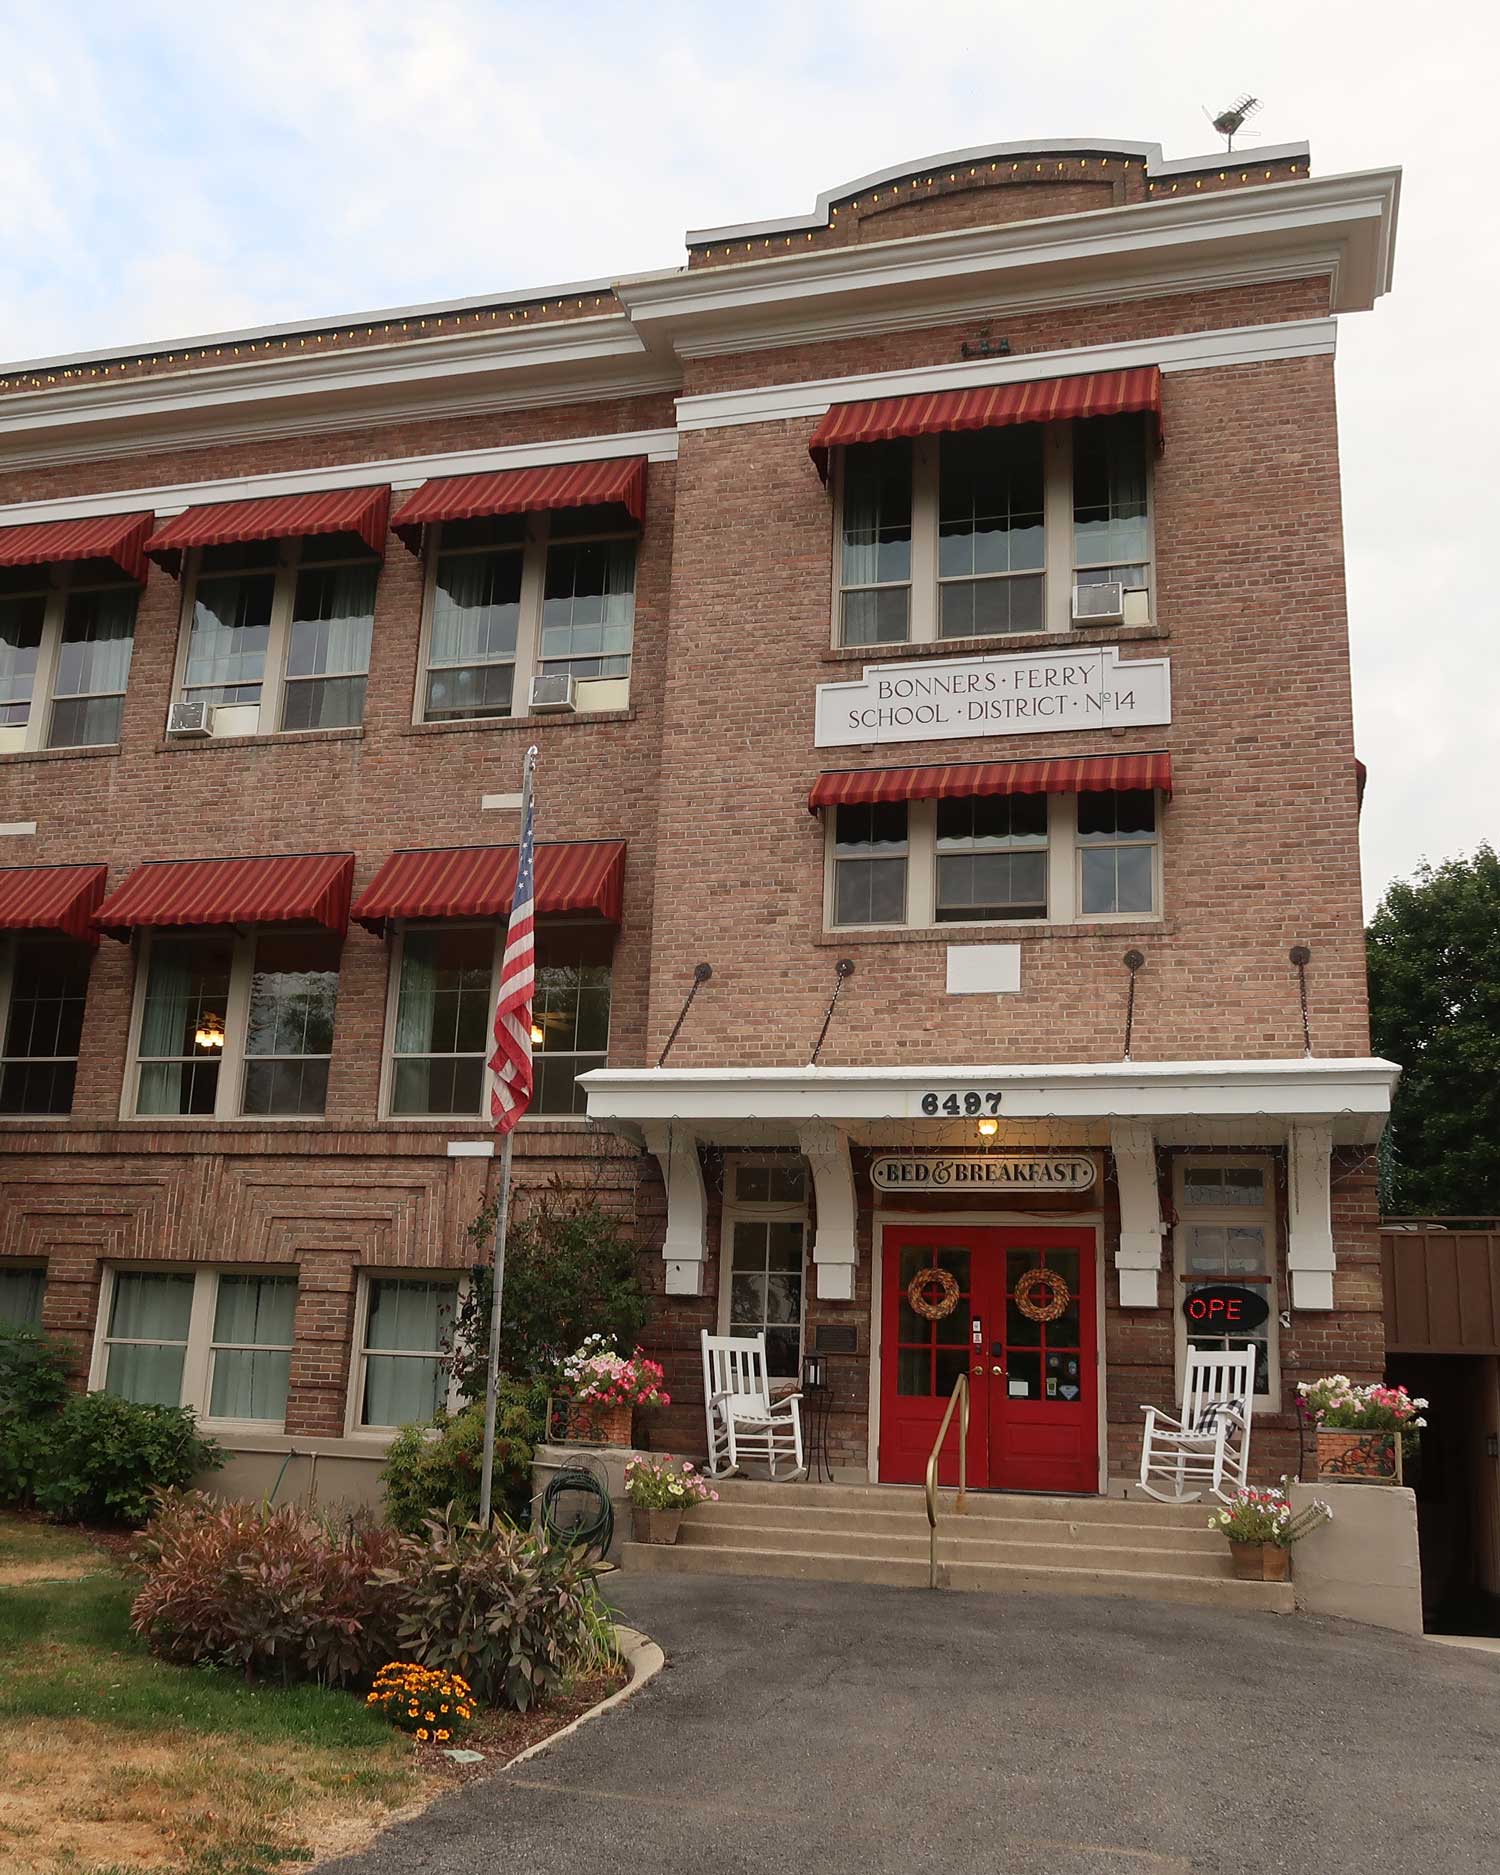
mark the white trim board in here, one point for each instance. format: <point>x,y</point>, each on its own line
<point>401,472</point>
<point>1188,351</point>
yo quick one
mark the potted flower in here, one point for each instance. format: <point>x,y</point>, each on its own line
<point>1262,1527</point>
<point>660,1490</point>
<point>604,1388</point>
<point>1364,1433</point>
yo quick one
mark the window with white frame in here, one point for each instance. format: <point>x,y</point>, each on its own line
<point>66,635</point>
<point>401,1377</point>
<point>277,633</point>
<point>521,596</point>
<point>44,982</point>
<point>1226,1233</point>
<point>987,533</point>
<point>445,982</point>
<point>761,1287</point>
<point>21,1289</point>
<point>993,859</point>
<point>219,1341</point>
<point>234,1025</point>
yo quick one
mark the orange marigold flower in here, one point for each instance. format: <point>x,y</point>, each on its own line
<point>422,1733</point>
<point>442,1735</point>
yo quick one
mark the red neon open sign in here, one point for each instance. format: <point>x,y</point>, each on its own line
<point>1224,1309</point>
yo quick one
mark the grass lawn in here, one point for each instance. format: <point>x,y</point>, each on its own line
<point>112,1762</point>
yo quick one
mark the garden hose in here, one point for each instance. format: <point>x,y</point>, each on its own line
<point>591,1524</point>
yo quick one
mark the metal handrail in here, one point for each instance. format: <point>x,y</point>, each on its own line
<point>960,1394</point>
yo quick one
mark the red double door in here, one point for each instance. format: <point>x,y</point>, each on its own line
<point>1014,1309</point>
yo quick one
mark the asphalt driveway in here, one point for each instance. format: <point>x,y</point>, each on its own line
<point>860,1731</point>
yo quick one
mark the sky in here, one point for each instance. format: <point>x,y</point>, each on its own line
<point>168,169</point>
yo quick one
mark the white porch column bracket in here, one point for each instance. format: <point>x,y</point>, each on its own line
<point>826,1150</point>
<point>1309,1238</point>
<point>1138,1259</point>
<point>675,1149</point>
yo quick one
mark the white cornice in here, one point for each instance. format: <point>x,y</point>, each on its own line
<point>400,472</point>
<point>1188,351</point>
<point>1187,238</point>
<point>1149,155</point>
<point>1355,1091</point>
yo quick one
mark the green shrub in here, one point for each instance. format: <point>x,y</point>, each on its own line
<point>33,1373</point>
<point>272,1591</point>
<point>437,1464</point>
<point>101,1459</point>
<point>496,1605</point>
<point>570,1271</point>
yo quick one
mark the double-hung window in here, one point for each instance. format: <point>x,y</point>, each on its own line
<point>446,980</point>
<point>761,1287</point>
<point>43,985</point>
<point>277,633</point>
<point>517,597</point>
<point>66,635</point>
<point>229,1026</point>
<point>400,1377</point>
<point>994,859</point>
<point>219,1341</point>
<point>987,533</point>
<point>1226,1233</point>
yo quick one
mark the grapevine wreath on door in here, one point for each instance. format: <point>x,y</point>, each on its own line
<point>1041,1295</point>
<point>932,1294</point>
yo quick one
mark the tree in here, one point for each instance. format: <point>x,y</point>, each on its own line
<point>570,1271</point>
<point>1434,958</point>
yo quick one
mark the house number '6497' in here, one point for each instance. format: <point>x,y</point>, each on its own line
<point>971,1102</point>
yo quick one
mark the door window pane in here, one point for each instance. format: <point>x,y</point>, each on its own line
<point>252,1347</point>
<point>182,1025</point>
<point>147,1339</point>
<point>407,1324</point>
<point>932,1354</point>
<point>765,1290</point>
<point>443,1014</point>
<point>44,1025</point>
<point>875,566</point>
<point>289,1038</point>
<point>93,664</point>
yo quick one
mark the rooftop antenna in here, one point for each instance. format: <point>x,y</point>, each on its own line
<point>1229,123</point>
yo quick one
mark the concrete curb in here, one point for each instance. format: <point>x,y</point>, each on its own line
<point>645,1660</point>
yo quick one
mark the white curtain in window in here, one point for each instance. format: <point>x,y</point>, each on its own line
<point>416,1001</point>
<point>250,1381</point>
<point>96,644</point>
<point>400,1388</point>
<point>411,1316</point>
<point>467,622</point>
<point>170,1005</point>
<point>861,527</point>
<point>150,1310</point>
<point>334,634</point>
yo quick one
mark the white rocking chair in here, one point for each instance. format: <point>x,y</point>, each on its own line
<point>1210,1443</point>
<point>743,1420</point>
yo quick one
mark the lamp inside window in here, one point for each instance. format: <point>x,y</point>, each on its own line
<point>210,1031</point>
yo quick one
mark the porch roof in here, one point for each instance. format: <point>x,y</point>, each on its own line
<point>1353,1093</point>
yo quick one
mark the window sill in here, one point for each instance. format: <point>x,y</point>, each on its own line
<point>993,646</point>
<point>94,752</point>
<point>1000,933</point>
<point>579,720</point>
<point>282,738</point>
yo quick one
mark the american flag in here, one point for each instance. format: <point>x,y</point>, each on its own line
<point>511,1061</point>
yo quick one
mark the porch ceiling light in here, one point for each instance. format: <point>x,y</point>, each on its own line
<point>987,1128</point>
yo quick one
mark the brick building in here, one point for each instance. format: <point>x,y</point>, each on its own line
<point>947,582</point>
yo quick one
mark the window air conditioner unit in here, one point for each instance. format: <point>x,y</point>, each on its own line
<point>190,719</point>
<point>1099,605</point>
<point>552,696</point>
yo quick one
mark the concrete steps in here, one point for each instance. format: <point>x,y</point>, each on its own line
<point>1002,1544</point>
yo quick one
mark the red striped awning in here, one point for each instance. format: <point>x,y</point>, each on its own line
<point>621,481</point>
<point>284,888</point>
<point>1104,774</point>
<point>989,407</point>
<point>477,882</point>
<point>51,898</point>
<point>361,511</point>
<point>117,537</point>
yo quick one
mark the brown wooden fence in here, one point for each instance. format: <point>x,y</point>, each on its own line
<point>1442,1285</point>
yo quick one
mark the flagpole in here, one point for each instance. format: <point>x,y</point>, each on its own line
<point>502,1228</point>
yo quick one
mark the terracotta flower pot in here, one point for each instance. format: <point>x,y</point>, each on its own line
<point>654,1526</point>
<point>1357,1456</point>
<point>1259,1562</point>
<point>592,1422</point>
